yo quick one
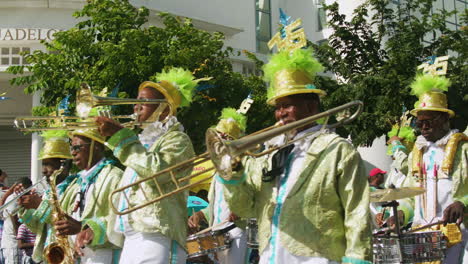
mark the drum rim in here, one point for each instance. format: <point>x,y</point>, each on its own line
<point>208,251</point>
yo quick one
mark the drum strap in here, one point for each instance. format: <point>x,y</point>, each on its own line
<point>227,229</point>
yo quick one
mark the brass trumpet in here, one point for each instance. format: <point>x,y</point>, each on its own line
<point>223,153</point>
<point>85,101</point>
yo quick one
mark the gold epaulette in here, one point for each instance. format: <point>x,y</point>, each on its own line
<point>447,163</point>
<point>417,163</point>
<point>450,150</point>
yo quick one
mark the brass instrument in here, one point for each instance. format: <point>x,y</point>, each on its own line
<point>61,250</point>
<point>17,197</point>
<point>223,153</point>
<point>85,101</point>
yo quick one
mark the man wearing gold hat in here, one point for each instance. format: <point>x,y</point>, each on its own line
<point>85,198</point>
<point>55,151</point>
<point>311,198</point>
<point>438,163</point>
<point>231,126</point>
<point>156,233</point>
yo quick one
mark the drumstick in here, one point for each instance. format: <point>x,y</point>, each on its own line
<point>211,227</point>
<point>426,226</point>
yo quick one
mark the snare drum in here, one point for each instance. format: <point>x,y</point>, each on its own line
<point>410,248</point>
<point>206,243</point>
<point>252,233</point>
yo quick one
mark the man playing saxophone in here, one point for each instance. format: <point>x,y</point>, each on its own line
<point>310,198</point>
<point>84,198</point>
<point>54,152</point>
<point>156,233</point>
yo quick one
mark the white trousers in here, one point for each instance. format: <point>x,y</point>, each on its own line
<point>100,256</point>
<point>236,254</point>
<point>151,248</point>
<point>11,255</point>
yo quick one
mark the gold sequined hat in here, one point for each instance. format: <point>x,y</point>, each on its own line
<point>90,133</point>
<point>292,70</point>
<point>430,87</point>
<point>232,123</point>
<point>177,85</point>
<point>56,145</point>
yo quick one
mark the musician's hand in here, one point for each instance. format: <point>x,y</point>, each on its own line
<point>195,219</point>
<point>107,126</point>
<point>68,226</point>
<point>11,190</point>
<point>394,138</point>
<point>391,220</point>
<point>30,201</point>
<point>379,219</point>
<point>18,188</point>
<point>232,217</point>
<point>82,239</point>
<point>454,213</point>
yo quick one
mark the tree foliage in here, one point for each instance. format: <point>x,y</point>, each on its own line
<point>375,55</point>
<point>112,45</point>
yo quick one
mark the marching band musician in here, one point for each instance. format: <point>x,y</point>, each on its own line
<point>86,200</point>
<point>156,233</point>
<point>231,126</point>
<point>9,244</point>
<point>311,198</point>
<point>54,152</point>
<point>438,163</point>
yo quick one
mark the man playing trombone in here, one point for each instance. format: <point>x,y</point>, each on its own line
<point>310,198</point>
<point>155,233</point>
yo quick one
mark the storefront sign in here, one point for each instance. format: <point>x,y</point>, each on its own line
<point>12,34</point>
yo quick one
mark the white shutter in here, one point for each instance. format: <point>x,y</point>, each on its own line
<point>15,154</point>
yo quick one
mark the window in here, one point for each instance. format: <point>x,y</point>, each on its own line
<point>262,24</point>
<point>13,55</point>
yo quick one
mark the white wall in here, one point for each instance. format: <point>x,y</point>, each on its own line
<point>375,156</point>
<point>229,17</point>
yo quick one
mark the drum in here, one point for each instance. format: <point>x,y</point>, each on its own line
<point>252,233</point>
<point>410,248</point>
<point>206,243</point>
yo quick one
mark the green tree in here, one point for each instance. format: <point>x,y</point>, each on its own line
<point>111,46</point>
<point>375,55</point>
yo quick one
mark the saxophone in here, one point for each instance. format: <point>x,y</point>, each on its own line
<point>60,251</point>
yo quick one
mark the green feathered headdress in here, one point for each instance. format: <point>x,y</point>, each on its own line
<point>232,123</point>
<point>291,73</point>
<point>429,89</point>
<point>183,80</point>
<point>407,135</point>
<point>231,113</point>
<point>426,83</point>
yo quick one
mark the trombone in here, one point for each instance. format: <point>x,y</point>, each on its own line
<point>85,101</point>
<point>223,153</point>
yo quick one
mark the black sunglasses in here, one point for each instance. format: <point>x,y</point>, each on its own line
<point>77,148</point>
<point>427,122</point>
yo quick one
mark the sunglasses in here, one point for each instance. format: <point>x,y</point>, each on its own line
<point>77,148</point>
<point>427,122</point>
